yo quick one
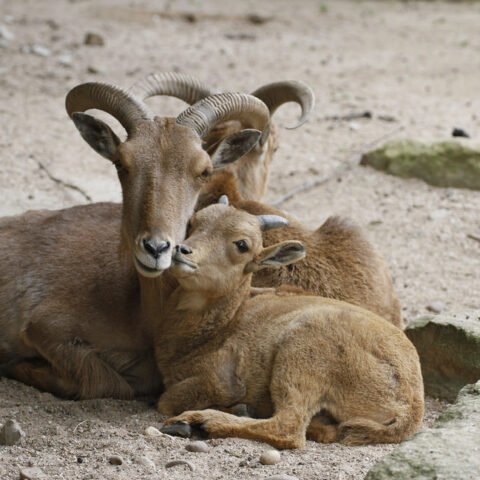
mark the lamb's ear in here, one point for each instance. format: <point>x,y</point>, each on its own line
<point>97,134</point>
<point>235,146</point>
<point>278,255</point>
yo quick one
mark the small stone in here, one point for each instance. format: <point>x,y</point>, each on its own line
<point>6,34</point>
<point>152,432</point>
<point>147,463</point>
<point>436,307</point>
<point>93,39</point>
<point>354,126</point>
<point>65,60</point>
<point>176,463</point>
<point>32,473</point>
<point>281,476</point>
<point>198,447</point>
<point>257,19</point>
<point>270,457</point>
<point>115,460</point>
<point>460,132</point>
<point>439,214</point>
<point>93,70</point>
<point>11,433</point>
<point>40,50</point>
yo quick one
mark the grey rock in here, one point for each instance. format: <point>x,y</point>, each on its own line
<point>198,447</point>
<point>436,307</point>
<point>32,473</point>
<point>445,164</point>
<point>6,34</point>
<point>270,457</point>
<point>11,433</point>
<point>93,39</point>
<point>65,60</point>
<point>115,460</point>
<point>40,50</point>
<point>448,451</point>
<point>439,214</point>
<point>147,463</point>
<point>153,432</point>
<point>449,350</point>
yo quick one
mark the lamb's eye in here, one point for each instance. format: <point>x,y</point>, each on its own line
<point>242,246</point>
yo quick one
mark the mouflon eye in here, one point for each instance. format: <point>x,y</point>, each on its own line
<point>120,168</point>
<point>242,246</point>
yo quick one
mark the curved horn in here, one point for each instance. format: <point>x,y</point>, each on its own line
<point>223,200</point>
<point>178,85</point>
<point>205,114</point>
<point>267,222</point>
<point>127,109</point>
<point>276,94</point>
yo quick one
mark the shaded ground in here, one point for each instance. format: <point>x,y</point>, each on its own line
<point>416,62</point>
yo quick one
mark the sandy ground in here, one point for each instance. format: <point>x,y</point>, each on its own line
<point>416,62</point>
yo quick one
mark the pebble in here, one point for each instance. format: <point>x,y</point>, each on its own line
<point>175,463</point>
<point>115,460</point>
<point>93,39</point>
<point>6,34</point>
<point>65,60</point>
<point>439,214</point>
<point>147,463</point>
<point>270,457</point>
<point>198,447</point>
<point>436,307</point>
<point>40,50</point>
<point>281,477</point>
<point>32,473</point>
<point>11,433</point>
<point>153,432</point>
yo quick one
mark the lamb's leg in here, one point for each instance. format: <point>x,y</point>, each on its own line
<point>286,429</point>
<point>76,364</point>
<point>197,393</point>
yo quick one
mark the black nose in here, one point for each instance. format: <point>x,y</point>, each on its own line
<point>183,249</point>
<point>155,247</point>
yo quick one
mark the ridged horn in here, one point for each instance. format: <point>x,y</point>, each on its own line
<point>178,85</point>
<point>276,94</point>
<point>127,109</point>
<point>205,114</point>
<point>267,222</point>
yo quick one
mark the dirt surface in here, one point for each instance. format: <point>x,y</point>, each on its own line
<point>415,62</point>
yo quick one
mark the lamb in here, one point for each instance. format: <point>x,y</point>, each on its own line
<point>341,264</point>
<point>308,366</point>
<point>75,314</point>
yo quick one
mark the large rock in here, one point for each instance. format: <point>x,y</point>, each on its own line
<point>449,349</point>
<point>445,164</point>
<point>448,451</point>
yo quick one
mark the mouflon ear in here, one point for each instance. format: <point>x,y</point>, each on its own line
<point>278,255</point>
<point>97,134</point>
<point>235,146</point>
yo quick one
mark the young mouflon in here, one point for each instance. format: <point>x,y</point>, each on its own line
<point>309,367</point>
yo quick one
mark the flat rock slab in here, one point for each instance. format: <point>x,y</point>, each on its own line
<point>450,450</point>
<point>444,164</point>
<point>449,350</point>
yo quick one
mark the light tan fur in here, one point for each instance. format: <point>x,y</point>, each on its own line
<point>341,262</point>
<point>308,366</point>
<point>75,316</point>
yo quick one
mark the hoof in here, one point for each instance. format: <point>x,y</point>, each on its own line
<point>178,429</point>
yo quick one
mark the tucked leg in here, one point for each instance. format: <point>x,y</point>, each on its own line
<point>75,363</point>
